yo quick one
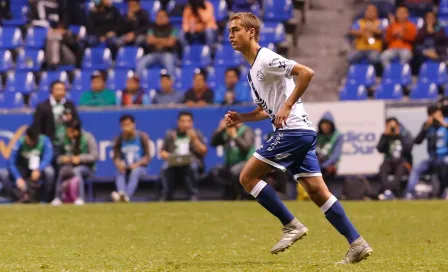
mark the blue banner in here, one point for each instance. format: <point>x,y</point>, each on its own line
<point>104,125</point>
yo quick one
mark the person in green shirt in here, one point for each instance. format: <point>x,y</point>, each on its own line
<point>99,95</point>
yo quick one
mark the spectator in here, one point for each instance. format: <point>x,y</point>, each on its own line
<point>42,12</point>
<point>435,131</point>
<point>134,94</point>
<point>135,25</point>
<point>166,94</point>
<point>131,157</point>
<point>200,95</point>
<point>368,37</point>
<point>78,158</point>
<point>238,143</point>
<point>431,40</point>
<point>400,36</point>
<point>5,10</point>
<point>99,96</point>
<point>60,47</point>
<point>233,91</point>
<point>103,23</point>
<point>161,42</point>
<point>30,176</point>
<point>183,151</point>
<point>52,114</point>
<point>396,145</point>
<point>198,21</point>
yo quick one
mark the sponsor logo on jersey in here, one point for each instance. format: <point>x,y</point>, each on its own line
<point>280,63</point>
<point>282,156</point>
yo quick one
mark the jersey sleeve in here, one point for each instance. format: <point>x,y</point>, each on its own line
<point>275,64</point>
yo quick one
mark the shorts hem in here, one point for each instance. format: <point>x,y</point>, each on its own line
<point>271,163</point>
<point>307,175</point>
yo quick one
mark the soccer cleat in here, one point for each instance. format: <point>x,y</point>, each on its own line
<point>56,202</point>
<point>123,197</point>
<point>359,250</point>
<point>115,196</point>
<point>292,232</point>
<point>79,202</point>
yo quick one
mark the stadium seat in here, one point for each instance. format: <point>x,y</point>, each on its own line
<point>121,6</point>
<point>353,92</point>
<point>418,21</point>
<point>196,56</point>
<point>152,7</point>
<point>6,61</point>
<point>127,57</point>
<point>37,97</point>
<point>244,6</point>
<point>116,79</point>
<point>11,100</point>
<point>150,78</point>
<point>10,37</point>
<point>277,10</point>
<point>35,37</point>
<point>434,72</point>
<point>23,82</point>
<point>424,90</point>
<point>226,56</point>
<point>220,10</point>
<point>272,32</point>
<point>82,80</point>
<point>389,91</point>
<point>443,8</point>
<point>30,60</point>
<point>78,31</point>
<point>398,73</point>
<point>184,78</point>
<point>361,74</point>
<point>18,12</point>
<point>74,96</point>
<point>46,78</point>
<point>98,58</point>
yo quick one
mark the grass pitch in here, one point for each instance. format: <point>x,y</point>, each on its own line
<point>216,236</point>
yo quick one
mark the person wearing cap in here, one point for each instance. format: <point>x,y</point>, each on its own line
<point>98,96</point>
<point>200,95</point>
<point>166,94</point>
<point>133,94</point>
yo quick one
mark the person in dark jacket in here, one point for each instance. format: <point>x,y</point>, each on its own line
<point>431,41</point>
<point>133,94</point>
<point>103,23</point>
<point>135,25</point>
<point>396,145</point>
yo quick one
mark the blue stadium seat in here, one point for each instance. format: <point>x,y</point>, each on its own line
<point>152,7</point>
<point>434,72</point>
<point>226,56</point>
<point>18,12</point>
<point>78,31</point>
<point>46,78</point>
<point>243,6</point>
<point>398,73</point>
<point>75,96</point>
<point>353,92</point>
<point>116,79</point>
<point>277,10</point>
<point>10,100</point>
<point>81,80</point>
<point>10,37</point>
<point>184,78</point>
<point>127,57</point>
<point>443,8</point>
<point>121,6</point>
<point>23,82</point>
<point>389,91</point>
<point>6,61</point>
<point>150,78</point>
<point>196,56</point>
<point>35,37</point>
<point>220,10</point>
<point>424,90</point>
<point>418,21</point>
<point>98,58</point>
<point>272,32</point>
<point>361,74</point>
<point>30,60</point>
<point>36,98</point>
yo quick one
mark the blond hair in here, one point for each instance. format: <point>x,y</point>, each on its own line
<point>248,20</point>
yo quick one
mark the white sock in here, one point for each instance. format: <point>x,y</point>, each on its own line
<point>328,203</point>
<point>257,189</point>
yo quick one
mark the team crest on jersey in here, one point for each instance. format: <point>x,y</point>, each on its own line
<point>260,76</point>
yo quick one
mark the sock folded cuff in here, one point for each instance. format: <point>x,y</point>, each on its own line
<point>328,204</point>
<point>257,189</point>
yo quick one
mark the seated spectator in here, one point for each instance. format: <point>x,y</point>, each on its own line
<point>368,38</point>
<point>134,94</point>
<point>435,131</point>
<point>42,12</point>
<point>396,145</point>
<point>198,22</point>
<point>131,157</point>
<point>77,159</point>
<point>60,47</point>
<point>30,176</point>
<point>431,41</point>
<point>166,94</point>
<point>238,143</point>
<point>99,96</point>
<point>200,95</point>
<point>400,36</point>
<point>161,43</point>
<point>233,91</point>
<point>103,23</point>
<point>183,151</point>
<point>135,25</point>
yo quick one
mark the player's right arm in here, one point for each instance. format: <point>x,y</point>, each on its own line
<point>232,118</point>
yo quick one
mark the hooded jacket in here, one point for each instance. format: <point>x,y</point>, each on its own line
<point>329,146</point>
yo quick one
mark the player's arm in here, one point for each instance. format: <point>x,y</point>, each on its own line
<point>304,75</point>
<point>232,118</point>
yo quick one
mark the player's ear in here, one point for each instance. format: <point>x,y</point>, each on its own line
<point>252,33</point>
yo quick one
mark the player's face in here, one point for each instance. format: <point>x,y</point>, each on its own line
<point>127,127</point>
<point>185,123</point>
<point>239,37</point>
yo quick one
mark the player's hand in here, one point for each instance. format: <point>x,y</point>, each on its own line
<point>35,175</point>
<point>282,115</point>
<point>232,118</point>
<point>21,184</point>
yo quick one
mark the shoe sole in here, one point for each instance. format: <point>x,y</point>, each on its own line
<point>291,243</point>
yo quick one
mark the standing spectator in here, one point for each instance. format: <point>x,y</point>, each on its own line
<point>161,42</point>
<point>131,157</point>
<point>396,145</point>
<point>30,176</point>
<point>134,94</point>
<point>233,91</point>
<point>103,23</point>
<point>200,95</point>
<point>198,21</point>
<point>431,42</point>
<point>99,96</point>
<point>78,157</point>
<point>183,151</point>
<point>135,25</point>
<point>238,143</point>
<point>166,94</point>
<point>368,37</point>
<point>400,36</point>
<point>60,47</point>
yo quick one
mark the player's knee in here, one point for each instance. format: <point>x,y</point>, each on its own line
<point>246,180</point>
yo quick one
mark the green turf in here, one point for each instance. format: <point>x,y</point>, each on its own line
<point>216,236</point>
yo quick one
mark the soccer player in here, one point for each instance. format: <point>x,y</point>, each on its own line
<point>292,146</point>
